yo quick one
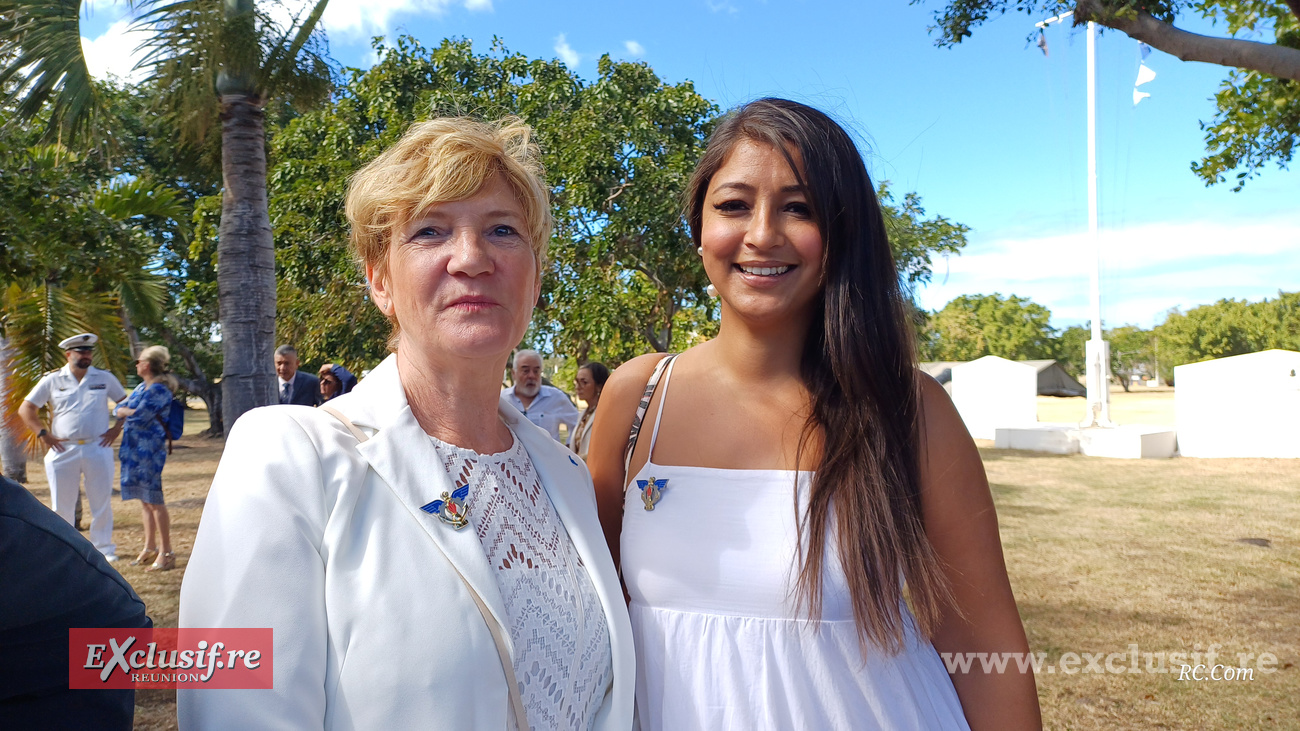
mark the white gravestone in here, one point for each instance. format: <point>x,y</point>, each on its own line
<point>1242,406</point>
<point>994,392</point>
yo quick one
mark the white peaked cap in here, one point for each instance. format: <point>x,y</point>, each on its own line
<point>77,341</point>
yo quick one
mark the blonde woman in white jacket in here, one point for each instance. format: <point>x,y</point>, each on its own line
<point>426,556</point>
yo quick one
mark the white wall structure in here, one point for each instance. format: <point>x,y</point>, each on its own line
<point>1242,406</point>
<point>995,392</point>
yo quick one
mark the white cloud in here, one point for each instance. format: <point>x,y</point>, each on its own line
<point>1145,269</point>
<point>570,57</point>
<point>115,52</point>
<point>353,18</point>
<point>722,6</point>
<point>374,17</point>
<point>634,49</point>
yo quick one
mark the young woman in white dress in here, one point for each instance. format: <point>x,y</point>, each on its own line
<point>797,476</point>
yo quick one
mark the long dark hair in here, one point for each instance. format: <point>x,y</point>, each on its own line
<point>859,365</point>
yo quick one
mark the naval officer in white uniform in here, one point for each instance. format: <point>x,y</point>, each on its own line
<point>79,436</point>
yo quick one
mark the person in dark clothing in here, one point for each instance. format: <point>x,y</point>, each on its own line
<point>335,380</point>
<point>55,580</point>
<point>292,385</point>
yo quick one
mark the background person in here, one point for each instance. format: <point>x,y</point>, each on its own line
<point>295,387</point>
<point>426,557</point>
<point>79,437</point>
<point>335,380</point>
<point>144,452</point>
<point>588,384</point>
<point>797,471</point>
<point>545,406</point>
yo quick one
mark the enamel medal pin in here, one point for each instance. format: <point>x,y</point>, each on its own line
<point>451,508</point>
<point>651,491</point>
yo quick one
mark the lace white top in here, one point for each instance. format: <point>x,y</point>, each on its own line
<point>562,658</point>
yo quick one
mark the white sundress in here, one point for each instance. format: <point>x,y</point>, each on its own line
<point>720,641</point>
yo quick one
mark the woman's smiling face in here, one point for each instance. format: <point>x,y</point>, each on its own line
<point>762,247</point>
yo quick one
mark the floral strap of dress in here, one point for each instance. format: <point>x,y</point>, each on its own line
<point>641,408</point>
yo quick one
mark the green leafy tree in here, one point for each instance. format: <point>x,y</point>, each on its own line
<point>1257,117</point>
<point>618,152</point>
<point>1226,328</point>
<point>76,261</point>
<point>148,147</point>
<point>210,61</point>
<point>1131,352</point>
<point>973,326</point>
<point>1071,348</point>
<point>917,240</point>
<point>623,277</point>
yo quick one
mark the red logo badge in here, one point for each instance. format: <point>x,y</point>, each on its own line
<point>169,658</point>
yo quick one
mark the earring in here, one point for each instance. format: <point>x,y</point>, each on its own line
<point>711,290</point>
<point>699,250</point>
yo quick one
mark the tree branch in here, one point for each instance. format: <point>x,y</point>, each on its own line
<point>1268,58</point>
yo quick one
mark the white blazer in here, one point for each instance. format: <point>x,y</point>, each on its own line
<point>323,540</point>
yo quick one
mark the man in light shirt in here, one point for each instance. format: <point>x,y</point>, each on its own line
<point>545,406</point>
<point>79,436</point>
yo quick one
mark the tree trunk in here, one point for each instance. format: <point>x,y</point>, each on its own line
<point>245,262</point>
<point>12,453</point>
<point>132,335</point>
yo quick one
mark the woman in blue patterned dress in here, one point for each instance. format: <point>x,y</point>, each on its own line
<point>143,452</point>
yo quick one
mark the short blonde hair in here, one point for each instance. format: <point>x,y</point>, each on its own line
<point>440,161</point>
<point>158,358</point>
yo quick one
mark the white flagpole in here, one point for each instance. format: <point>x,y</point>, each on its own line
<point>1097,350</point>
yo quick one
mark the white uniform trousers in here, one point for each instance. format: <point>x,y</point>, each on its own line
<point>64,471</point>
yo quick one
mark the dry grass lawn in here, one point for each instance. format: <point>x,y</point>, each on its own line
<point>1102,554</point>
<point>1142,405</point>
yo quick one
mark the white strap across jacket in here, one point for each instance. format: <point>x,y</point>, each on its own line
<point>323,539</point>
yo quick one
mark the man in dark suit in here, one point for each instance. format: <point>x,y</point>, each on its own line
<point>294,386</point>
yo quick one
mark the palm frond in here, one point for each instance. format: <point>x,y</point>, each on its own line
<point>143,295</point>
<point>183,55</point>
<point>297,64</point>
<point>36,319</point>
<point>40,44</point>
<point>96,312</point>
<point>47,157</point>
<point>126,199</point>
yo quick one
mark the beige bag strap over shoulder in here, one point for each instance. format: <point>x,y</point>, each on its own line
<point>503,651</point>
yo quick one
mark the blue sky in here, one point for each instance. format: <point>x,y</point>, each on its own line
<point>990,133</point>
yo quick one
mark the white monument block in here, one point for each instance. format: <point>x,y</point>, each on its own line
<point>1043,437</point>
<point>1242,406</point>
<point>994,392</point>
<point>1129,441</point>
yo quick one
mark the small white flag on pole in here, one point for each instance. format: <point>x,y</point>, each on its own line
<point>1145,74</point>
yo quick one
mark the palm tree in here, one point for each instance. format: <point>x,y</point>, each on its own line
<point>210,60</point>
